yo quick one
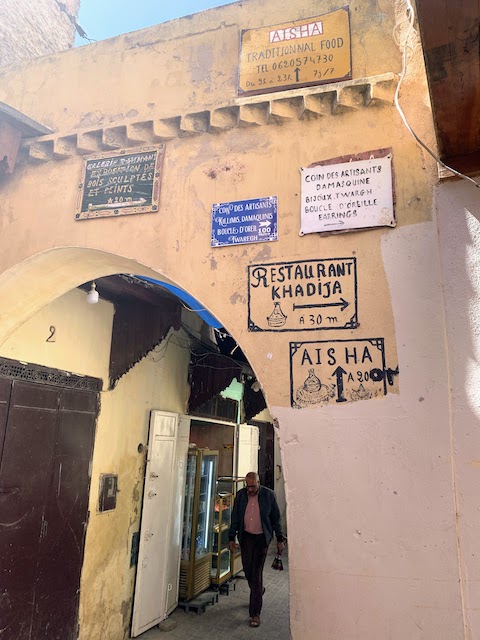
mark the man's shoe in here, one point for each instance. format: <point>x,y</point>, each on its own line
<point>255,621</point>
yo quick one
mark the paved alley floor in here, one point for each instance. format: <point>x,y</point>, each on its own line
<point>228,618</point>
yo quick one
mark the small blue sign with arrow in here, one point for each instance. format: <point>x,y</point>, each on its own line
<point>244,222</point>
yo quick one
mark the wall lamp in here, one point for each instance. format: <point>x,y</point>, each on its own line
<point>92,295</point>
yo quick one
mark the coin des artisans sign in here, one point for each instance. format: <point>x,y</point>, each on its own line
<point>120,183</point>
<point>307,295</point>
<point>342,194</point>
<point>336,371</point>
<point>296,54</point>
<point>244,221</point>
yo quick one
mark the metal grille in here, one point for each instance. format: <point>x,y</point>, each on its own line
<point>44,375</point>
<point>182,587</point>
<point>202,577</point>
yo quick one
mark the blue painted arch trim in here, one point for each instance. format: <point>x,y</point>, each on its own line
<point>189,300</point>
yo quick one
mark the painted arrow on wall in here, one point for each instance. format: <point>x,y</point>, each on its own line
<point>343,304</point>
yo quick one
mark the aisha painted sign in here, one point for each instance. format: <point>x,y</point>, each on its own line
<point>337,371</point>
<point>296,54</point>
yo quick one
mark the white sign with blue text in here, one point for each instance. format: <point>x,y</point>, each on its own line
<point>244,222</point>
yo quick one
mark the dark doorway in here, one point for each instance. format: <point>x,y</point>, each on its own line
<point>267,451</point>
<point>46,444</point>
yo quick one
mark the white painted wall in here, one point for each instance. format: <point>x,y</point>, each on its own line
<point>458,206</point>
<point>377,497</point>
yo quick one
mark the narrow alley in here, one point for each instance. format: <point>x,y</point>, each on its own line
<point>228,618</point>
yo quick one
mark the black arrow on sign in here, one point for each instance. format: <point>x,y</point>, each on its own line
<point>297,74</point>
<point>339,373</point>
<point>343,304</point>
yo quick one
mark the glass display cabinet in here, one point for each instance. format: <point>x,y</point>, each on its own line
<point>197,540</point>
<point>228,484</point>
<point>232,485</point>
<point>221,570</point>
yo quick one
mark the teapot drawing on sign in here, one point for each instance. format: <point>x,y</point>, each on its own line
<point>277,318</point>
<point>313,391</point>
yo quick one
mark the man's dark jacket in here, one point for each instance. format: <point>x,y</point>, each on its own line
<point>269,514</point>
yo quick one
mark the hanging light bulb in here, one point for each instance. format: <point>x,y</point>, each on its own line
<point>92,295</point>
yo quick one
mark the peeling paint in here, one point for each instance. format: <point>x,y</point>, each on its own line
<point>234,172</point>
<point>136,491</point>
<point>91,118</point>
<point>263,254</point>
<point>237,298</point>
<point>125,610</point>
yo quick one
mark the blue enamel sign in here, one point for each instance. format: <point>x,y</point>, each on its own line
<point>244,222</point>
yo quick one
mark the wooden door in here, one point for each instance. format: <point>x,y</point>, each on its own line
<point>44,485</point>
<point>61,551</point>
<point>247,450</point>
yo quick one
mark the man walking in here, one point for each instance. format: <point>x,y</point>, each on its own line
<point>255,518</point>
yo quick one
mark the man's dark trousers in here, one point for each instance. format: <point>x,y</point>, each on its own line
<point>254,552</point>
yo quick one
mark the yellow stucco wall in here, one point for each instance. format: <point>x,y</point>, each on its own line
<point>67,333</point>
<point>178,65</point>
<point>368,484</point>
<point>159,381</point>
<point>156,382</point>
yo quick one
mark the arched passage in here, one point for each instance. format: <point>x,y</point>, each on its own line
<point>47,284</point>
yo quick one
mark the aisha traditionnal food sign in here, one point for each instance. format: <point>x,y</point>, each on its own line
<point>305,52</point>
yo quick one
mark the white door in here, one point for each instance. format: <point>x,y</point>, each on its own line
<point>176,524</point>
<point>247,449</point>
<point>162,485</point>
<point>255,448</point>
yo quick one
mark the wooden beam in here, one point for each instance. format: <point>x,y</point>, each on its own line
<point>467,164</point>
<point>450,35</point>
